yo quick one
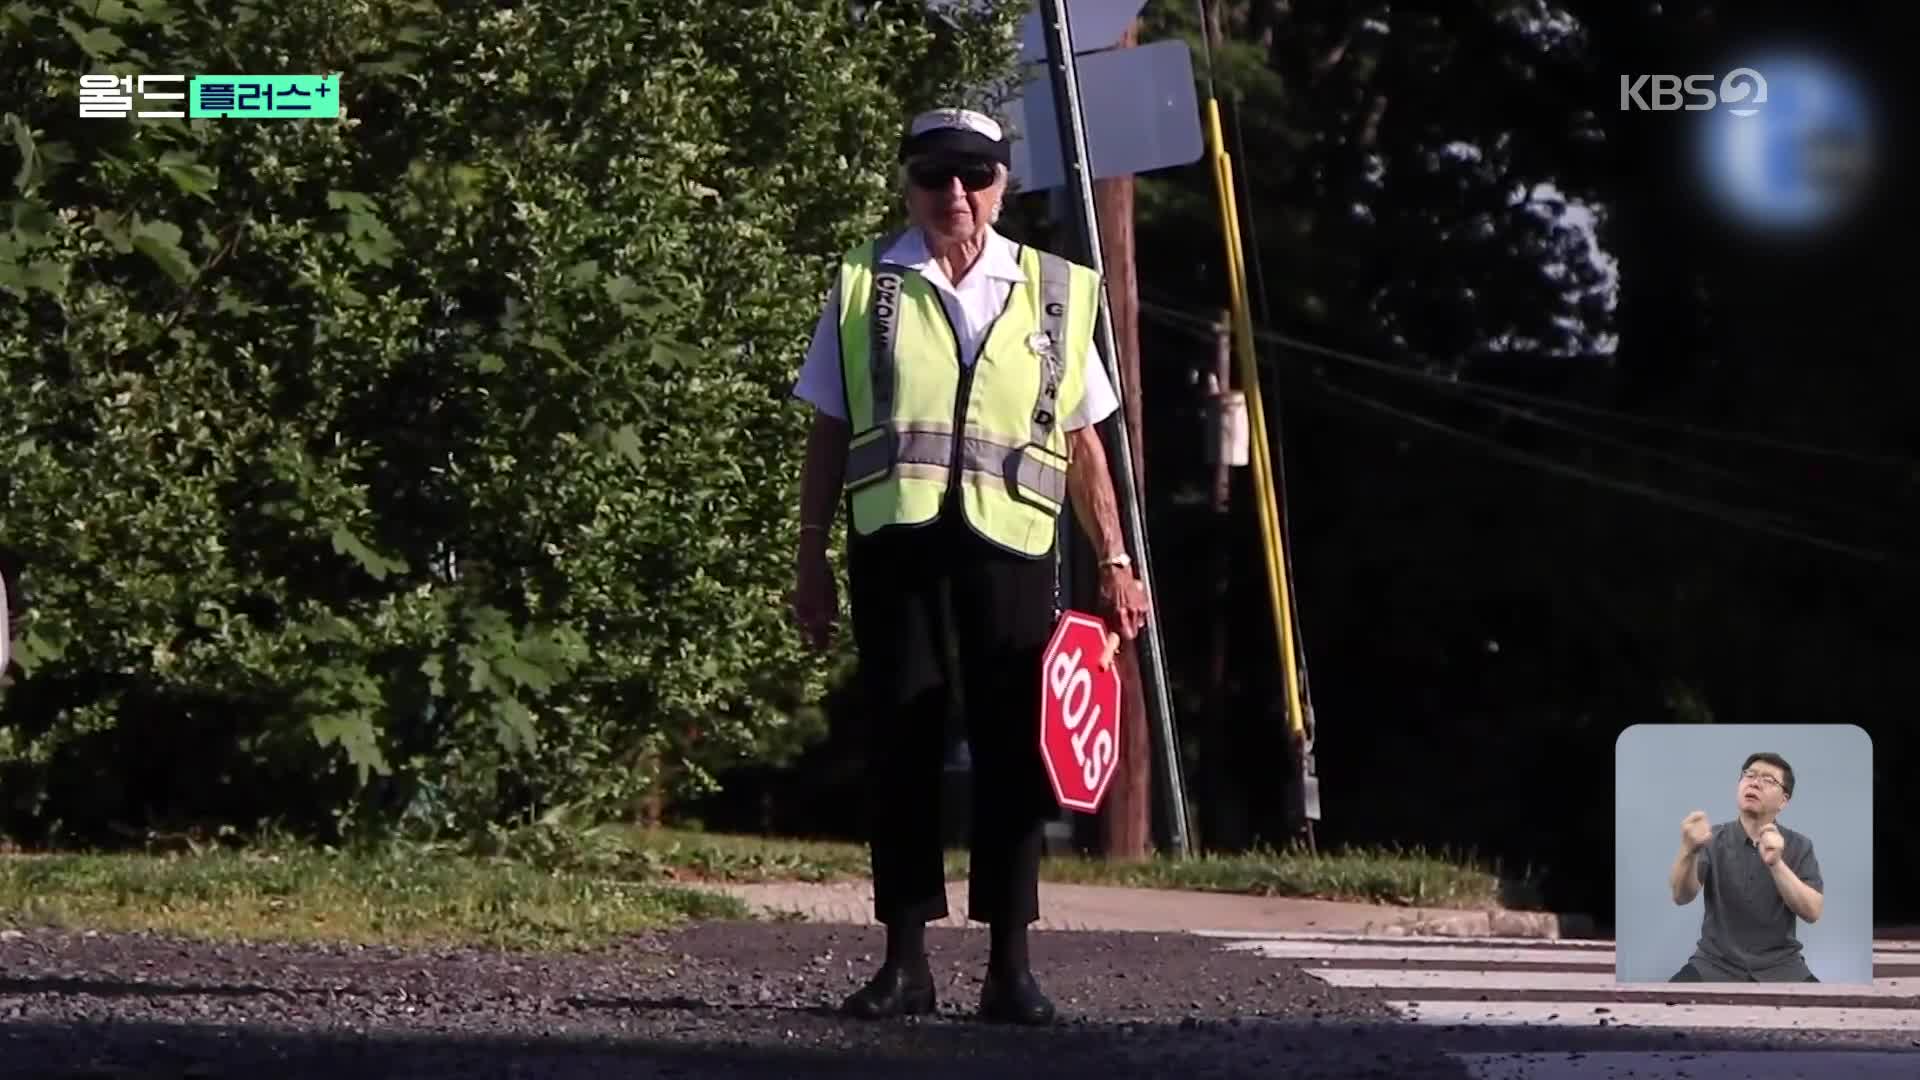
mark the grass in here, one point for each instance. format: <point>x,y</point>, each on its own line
<point>557,889</point>
<point>1415,878</point>
<point>396,898</point>
<point>702,856</point>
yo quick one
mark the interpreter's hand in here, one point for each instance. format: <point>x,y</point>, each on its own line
<point>816,598</point>
<point>1772,842</point>
<point>1695,830</point>
<point>1124,599</point>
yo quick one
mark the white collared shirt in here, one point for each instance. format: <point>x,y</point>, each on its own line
<point>972,305</point>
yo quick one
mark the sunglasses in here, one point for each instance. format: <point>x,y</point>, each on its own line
<point>937,175</point>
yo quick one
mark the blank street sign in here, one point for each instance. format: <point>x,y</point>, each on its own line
<point>1140,111</point>
<point>1095,25</point>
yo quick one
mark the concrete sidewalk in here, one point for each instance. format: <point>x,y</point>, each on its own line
<point>1103,907</point>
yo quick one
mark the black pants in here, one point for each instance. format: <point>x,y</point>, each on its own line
<point>914,591</point>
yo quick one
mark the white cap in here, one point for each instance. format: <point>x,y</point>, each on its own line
<point>961,132</point>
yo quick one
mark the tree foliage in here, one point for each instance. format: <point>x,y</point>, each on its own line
<point>433,463</point>
<point>1513,531</point>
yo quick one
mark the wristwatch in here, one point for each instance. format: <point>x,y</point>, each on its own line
<point>1122,559</point>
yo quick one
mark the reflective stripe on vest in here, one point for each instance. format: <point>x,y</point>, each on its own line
<point>904,458</point>
<point>1054,296</point>
<point>871,461</point>
<point>887,281</point>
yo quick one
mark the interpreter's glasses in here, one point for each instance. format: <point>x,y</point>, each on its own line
<point>1765,780</point>
<point>936,175</point>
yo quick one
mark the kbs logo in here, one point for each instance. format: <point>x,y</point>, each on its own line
<point>1742,91</point>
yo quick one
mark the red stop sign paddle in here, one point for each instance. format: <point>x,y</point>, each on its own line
<point>1079,712</point>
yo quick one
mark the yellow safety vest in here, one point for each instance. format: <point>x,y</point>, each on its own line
<point>908,393</point>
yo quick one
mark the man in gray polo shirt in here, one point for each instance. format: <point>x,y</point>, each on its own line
<point>1758,877</point>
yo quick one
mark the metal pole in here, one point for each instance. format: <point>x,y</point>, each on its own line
<point>1079,176</point>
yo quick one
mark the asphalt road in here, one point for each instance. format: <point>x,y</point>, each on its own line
<point>730,1000</point>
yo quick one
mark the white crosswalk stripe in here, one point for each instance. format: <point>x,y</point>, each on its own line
<point>1500,981</point>
<point>1727,1065</point>
<point>1476,954</point>
<point>1468,985</point>
<point>1770,1018</point>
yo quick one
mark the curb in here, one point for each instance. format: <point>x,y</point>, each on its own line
<point>1500,923</point>
<point>850,904</point>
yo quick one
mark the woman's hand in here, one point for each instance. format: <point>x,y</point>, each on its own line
<point>816,598</point>
<point>1124,600</point>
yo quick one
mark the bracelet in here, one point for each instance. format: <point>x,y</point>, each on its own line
<point>1122,560</point>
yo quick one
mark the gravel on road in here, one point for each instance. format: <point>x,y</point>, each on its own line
<point>721,1000</point>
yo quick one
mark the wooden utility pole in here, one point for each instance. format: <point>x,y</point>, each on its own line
<point>1126,817</point>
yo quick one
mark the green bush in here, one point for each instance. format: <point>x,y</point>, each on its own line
<point>432,466</point>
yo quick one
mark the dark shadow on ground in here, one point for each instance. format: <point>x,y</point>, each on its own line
<point>779,1043</point>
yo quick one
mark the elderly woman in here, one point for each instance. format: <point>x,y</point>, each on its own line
<point>955,387</point>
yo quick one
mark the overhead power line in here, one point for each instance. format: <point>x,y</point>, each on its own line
<point>1722,512</point>
<point>1775,524</point>
<point>1686,461</point>
<point>1548,401</point>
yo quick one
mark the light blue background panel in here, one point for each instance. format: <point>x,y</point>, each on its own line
<point>1663,772</point>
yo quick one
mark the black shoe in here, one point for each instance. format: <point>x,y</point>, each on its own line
<point>1014,1000</point>
<point>891,992</point>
